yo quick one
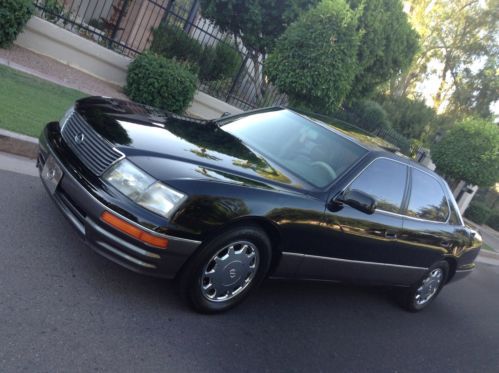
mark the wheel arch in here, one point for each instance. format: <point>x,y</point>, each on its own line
<point>452,262</point>
<point>270,228</point>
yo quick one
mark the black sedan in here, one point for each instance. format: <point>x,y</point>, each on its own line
<point>219,205</point>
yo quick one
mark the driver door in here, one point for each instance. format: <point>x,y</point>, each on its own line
<point>358,246</point>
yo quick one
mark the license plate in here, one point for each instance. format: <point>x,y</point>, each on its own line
<point>51,174</point>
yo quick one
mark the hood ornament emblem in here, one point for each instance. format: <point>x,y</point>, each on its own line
<point>79,138</point>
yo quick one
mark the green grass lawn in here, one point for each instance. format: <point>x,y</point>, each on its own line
<point>487,247</point>
<point>28,103</point>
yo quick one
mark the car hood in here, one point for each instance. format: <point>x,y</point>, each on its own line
<point>169,146</point>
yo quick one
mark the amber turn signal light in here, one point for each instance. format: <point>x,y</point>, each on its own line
<point>133,231</point>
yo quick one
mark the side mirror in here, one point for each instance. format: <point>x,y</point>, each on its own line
<point>359,200</point>
<point>226,114</point>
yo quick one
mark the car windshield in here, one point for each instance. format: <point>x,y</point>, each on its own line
<point>309,150</point>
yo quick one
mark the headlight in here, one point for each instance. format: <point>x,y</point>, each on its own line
<point>143,189</point>
<point>66,116</point>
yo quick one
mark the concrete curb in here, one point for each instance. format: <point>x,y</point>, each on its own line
<point>15,143</point>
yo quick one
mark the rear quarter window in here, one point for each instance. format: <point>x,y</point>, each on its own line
<point>427,200</point>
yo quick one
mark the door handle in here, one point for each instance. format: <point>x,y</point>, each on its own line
<point>391,235</point>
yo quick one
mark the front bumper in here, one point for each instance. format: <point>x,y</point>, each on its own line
<point>82,200</point>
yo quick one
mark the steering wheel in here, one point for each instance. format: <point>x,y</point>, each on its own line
<point>325,167</point>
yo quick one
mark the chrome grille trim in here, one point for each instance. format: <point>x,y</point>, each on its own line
<point>95,152</point>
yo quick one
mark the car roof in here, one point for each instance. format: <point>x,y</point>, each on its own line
<point>406,160</point>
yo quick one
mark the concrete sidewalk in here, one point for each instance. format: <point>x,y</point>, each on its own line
<point>49,69</point>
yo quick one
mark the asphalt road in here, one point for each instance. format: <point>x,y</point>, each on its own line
<point>64,308</point>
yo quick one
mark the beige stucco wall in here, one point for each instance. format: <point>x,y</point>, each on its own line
<point>47,39</point>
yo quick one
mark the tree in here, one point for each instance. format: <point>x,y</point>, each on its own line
<point>387,46</point>
<point>469,152</point>
<point>476,92</point>
<point>455,35</point>
<point>255,23</point>
<point>366,114</point>
<point>315,60</point>
<point>411,118</point>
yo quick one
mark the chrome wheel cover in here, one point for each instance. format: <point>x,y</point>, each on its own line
<point>229,271</point>
<point>429,286</point>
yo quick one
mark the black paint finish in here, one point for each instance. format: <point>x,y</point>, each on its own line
<point>228,182</point>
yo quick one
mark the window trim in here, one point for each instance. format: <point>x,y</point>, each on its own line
<point>407,191</point>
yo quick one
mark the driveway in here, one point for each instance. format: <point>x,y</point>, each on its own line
<point>64,308</point>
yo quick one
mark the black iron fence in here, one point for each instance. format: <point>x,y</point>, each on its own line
<point>395,138</point>
<point>128,27</point>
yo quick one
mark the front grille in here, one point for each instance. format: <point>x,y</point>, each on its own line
<point>94,152</point>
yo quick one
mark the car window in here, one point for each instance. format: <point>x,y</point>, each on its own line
<point>384,180</point>
<point>427,199</point>
<point>314,153</point>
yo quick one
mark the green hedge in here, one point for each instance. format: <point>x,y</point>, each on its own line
<point>493,220</point>
<point>477,212</point>
<point>210,62</point>
<point>219,63</point>
<point>13,16</point>
<point>172,42</point>
<point>157,81</point>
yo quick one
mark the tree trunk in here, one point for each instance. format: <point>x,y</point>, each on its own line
<point>437,101</point>
<point>257,78</point>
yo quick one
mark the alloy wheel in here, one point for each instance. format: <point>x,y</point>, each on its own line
<point>229,271</point>
<point>429,286</point>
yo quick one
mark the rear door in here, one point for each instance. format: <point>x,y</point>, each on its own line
<point>427,233</point>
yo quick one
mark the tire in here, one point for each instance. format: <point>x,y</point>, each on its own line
<point>419,297</point>
<point>226,270</point>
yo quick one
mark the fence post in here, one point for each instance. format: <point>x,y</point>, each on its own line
<point>192,14</point>
<point>167,11</point>
<point>118,21</point>
<point>234,82</point>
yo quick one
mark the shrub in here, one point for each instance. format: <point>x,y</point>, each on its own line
<point>469,152</point>
<point>315,60</point>
<point>411,117</point>
<point>13,16</point>
<point>53,10</point>
<point>172,42</point>
<point>97,23</point>
<point>477,212</point>
<point>212,62</point>
<point>369,115</point>
<point>206,64</point>
<point>219,62</point>
<point>157,81</point>
<point>493,220</point>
